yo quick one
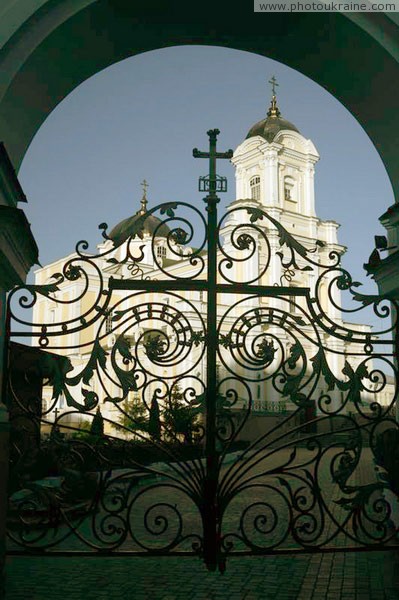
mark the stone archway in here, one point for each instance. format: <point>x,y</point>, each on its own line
<point>51,51</point>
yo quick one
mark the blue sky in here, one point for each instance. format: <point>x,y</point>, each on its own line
<point>140,118</point>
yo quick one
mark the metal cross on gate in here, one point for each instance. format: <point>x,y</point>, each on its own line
<point>210,511</point>
<point>212,155</point>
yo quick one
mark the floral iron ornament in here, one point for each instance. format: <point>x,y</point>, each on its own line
<point>162,446</point>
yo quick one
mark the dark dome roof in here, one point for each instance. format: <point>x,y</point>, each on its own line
<point>128,227</point>
<point>269,127</point>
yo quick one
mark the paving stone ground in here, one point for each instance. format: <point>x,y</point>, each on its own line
<point>339,576</point>
<point>333,576</point>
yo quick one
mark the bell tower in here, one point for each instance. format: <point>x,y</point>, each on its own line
<point>275,164</point>
<point>275,168</point>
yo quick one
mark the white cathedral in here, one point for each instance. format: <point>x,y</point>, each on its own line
<point>274,171</point>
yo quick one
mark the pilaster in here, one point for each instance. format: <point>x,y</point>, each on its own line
<point>309,199</point>
<point>18,253</point>
<point>385,271</point>
<point>270,182</point>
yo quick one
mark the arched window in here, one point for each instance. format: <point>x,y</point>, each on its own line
<point>289,189</point>
<point>290,192</point>
<point>109,323</point>
<point>254,185</point>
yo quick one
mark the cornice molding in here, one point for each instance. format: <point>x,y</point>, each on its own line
<point>11,191</point>
<point>18,249</point>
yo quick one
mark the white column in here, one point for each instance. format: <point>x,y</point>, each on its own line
<point>270,182</point>
<point>308,192</point>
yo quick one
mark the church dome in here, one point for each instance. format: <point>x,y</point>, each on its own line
<point>123,230</point>
<point>128,227</point>
<point>269,127</point>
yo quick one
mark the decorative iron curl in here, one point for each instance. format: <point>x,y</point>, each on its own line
<point>264,523</point>
<point>233,407</point>
<point>341,279</point>
<point>244,239</point>
<point>159,525</point>
<point>177,238</point>
<point>263,341</point>
<point>85,269</point>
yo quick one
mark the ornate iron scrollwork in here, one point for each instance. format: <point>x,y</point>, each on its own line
<point>164,444</point>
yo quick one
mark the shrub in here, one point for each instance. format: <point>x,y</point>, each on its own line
<point>386,453</point>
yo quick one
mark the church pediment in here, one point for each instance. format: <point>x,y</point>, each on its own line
<point>296,142</point>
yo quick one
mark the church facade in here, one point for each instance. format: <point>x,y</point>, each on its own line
<point>152,343</point>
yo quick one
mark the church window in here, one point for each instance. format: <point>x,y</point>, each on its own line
<point>108,323</point>
<point>289,189</point>
<point>254,185</point>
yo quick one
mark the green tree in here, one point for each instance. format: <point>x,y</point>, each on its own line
<point>82,430</point>
<point>133,416</point>
<point>97,424</point>
<point>180,417</point>
<point>154,421</point>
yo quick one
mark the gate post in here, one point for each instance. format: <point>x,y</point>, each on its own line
<point>18,252</point>
<point>4,439</point>
<point>386,270</point>
<point>210,514</point>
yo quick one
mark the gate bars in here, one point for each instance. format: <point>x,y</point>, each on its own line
<point>180,357</point>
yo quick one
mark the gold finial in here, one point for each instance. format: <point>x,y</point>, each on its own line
<point>144,200</point>
<point>273,110</point>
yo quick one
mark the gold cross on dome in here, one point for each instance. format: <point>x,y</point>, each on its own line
<point>144,185</point>
<point>274,84</point>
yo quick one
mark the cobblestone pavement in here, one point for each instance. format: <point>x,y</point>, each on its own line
<point>333,576</point>
<point>339,576</point>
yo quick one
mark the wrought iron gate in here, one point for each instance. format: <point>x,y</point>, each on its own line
<point>210,407</point>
